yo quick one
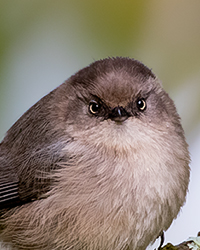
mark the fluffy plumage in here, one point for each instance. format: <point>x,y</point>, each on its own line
<point>109,179</point>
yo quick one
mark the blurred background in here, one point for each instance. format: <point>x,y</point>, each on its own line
<point>43,42</point>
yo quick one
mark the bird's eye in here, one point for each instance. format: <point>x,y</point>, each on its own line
<point>141,104</point>
<point>94,107</point>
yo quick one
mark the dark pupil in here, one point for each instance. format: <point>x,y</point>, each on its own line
<point>140,104</point>
<point>94,107</point>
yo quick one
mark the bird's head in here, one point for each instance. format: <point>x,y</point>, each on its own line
<point>118,101</point>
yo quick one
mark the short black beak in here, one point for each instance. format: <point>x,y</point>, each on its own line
<point>118,114</point>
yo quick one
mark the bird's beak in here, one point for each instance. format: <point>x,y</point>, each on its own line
<point>118,114</point>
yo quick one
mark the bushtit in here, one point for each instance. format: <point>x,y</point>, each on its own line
<point>100,163</point>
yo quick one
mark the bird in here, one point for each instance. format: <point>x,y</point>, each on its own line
<point>101,162</point>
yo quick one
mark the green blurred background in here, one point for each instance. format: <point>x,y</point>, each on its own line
<point>43,42</point>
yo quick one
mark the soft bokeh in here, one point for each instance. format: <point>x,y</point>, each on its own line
<point>43,42</point>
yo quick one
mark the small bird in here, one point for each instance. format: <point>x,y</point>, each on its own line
<point>100,163</point>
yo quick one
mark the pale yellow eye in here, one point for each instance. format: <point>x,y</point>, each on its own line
<point>94,107</point>
<point>141,104</point>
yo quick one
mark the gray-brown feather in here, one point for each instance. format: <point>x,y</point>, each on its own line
<point>92,183</point>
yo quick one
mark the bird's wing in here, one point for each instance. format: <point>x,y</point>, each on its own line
<point>31,182</point>
<point>15,188</point>
<point>15,191</point>
<point>29,153</point>
<point>9,195</point>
